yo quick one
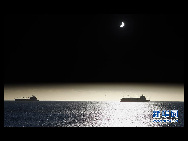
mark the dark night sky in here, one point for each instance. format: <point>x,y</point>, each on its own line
<point>93,48</point>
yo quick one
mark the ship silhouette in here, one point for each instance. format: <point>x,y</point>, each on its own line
<point>33,98</point>
<point>141,99</point>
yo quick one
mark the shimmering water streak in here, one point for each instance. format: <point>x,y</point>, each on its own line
<point>87,114</point>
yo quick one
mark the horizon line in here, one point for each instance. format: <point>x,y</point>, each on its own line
<point>90,100</point>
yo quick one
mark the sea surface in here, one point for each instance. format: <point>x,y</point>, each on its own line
<point>88,114</point>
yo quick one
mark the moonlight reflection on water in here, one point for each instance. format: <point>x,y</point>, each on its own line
<point>87,114</point>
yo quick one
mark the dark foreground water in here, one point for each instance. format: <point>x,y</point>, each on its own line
<point>88,114</point>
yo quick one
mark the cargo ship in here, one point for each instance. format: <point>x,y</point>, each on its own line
<point>33,98</point>
<point>141,99</point>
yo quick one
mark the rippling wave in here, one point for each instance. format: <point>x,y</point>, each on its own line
<point>87,114</point>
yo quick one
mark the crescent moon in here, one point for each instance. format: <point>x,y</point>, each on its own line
<point>122,24</point>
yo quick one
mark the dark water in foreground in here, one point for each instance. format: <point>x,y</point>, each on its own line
<point>88,114</point>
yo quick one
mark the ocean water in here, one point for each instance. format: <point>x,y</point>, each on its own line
<point>88,114</point>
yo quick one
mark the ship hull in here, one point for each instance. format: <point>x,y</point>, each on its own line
<point>25,100</point>
<point>133,100</point>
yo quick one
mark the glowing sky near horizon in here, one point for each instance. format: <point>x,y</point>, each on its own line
<point>96,92</point>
